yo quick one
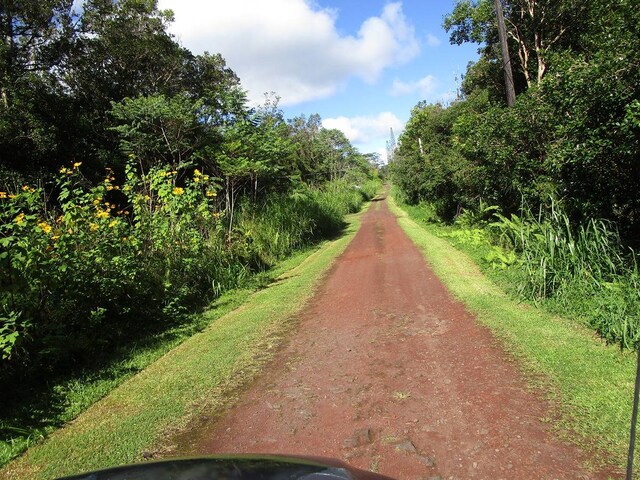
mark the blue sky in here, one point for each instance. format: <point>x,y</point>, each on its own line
<point>361,64</point>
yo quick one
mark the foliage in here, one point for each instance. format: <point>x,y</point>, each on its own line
<point>572,134</point>
<point>572,138</point>
<point>582,271</point>
<point>162,131</point>
<point>147,263</point>
<point>284,223</point>
<point>231,347</point>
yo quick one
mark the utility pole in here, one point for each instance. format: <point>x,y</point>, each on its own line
<point>391,146</point>
<point>506,61</point>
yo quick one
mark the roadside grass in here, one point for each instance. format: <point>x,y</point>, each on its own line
<point>589,383</point>
<point>201,374</point>
<point>44,410</point>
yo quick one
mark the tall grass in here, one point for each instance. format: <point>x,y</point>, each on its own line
<point>580,271</point>
<point>285,222</point>
<point>583,270</point>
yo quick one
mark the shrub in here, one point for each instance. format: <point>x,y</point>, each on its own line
<point>111,261</point>
<point>578,270</point>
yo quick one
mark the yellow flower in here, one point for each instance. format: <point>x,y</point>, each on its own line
<point>12,196</point>
<point>178,190</point>
<point>3,194</point>
<point>196,179</point>
<point>197,173</point>
<point>25,188</point>
<point>205,178</point>
<point>45,227</point>
<point>109,188</point>
<point>113,223</point>
<point>62,170</point>
<point>19,219</point>
<point>211,194</point>
<point>77,164</point>
<point>102,214</point>
<point>93,227</point>
<point>147,198</point>
<point>55,237</point>
<point>96,201</point>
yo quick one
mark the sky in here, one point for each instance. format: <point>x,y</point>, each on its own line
<point>361,64</point>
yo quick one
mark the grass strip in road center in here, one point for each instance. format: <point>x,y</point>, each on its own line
<point>202,374</point>
<point>589,383</point>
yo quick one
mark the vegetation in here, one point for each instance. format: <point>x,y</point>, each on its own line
<point>550,184</point>
<point>136,186</point>
<point>589,383</point>
<point>202,375</point>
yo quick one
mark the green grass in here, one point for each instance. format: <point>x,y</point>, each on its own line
<point>203,373</point>
<point>38,412</point>
<point>589,383</point>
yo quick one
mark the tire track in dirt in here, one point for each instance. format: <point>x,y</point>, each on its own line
<point>390,373</point>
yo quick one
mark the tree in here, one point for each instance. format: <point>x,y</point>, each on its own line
<point>163,131</point>
<point>536,26</point>
<point>425,164</point>
<point>37,36</point>
<point>207,77</point>
<point>304,133</point>
<point>337,152</point>
<point>123,51</point>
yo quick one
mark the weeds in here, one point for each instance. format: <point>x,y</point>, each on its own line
<point>580,271</point>
<point>112,264</point>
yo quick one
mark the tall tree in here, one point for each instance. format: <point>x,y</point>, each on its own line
<point>36,39</point>
<point>123,50</point>
<point>536,26</point>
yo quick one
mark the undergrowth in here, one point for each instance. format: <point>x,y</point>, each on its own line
<point>583,272</point>
<point>91,282</point>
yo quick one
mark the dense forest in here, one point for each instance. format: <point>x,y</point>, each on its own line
<point>554,178</point>
<point>136,183</point>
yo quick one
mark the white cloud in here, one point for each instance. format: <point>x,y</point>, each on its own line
<point>367,133</point>
<point>426,86</point>
<point>432,40</point>
<point>292,47</point>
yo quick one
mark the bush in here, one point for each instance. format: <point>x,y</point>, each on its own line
<point>581,271</point>
<point>110,262</point>
<point>103,263</point>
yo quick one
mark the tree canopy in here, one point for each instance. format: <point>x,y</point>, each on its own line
<point>572,134</point>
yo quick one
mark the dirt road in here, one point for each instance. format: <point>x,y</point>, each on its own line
<point>390,373</point>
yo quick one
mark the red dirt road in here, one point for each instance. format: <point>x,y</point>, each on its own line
<point>387,371</point>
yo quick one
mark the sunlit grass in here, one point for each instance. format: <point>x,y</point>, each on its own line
<point>589,383</point>
<point>202,373</point>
